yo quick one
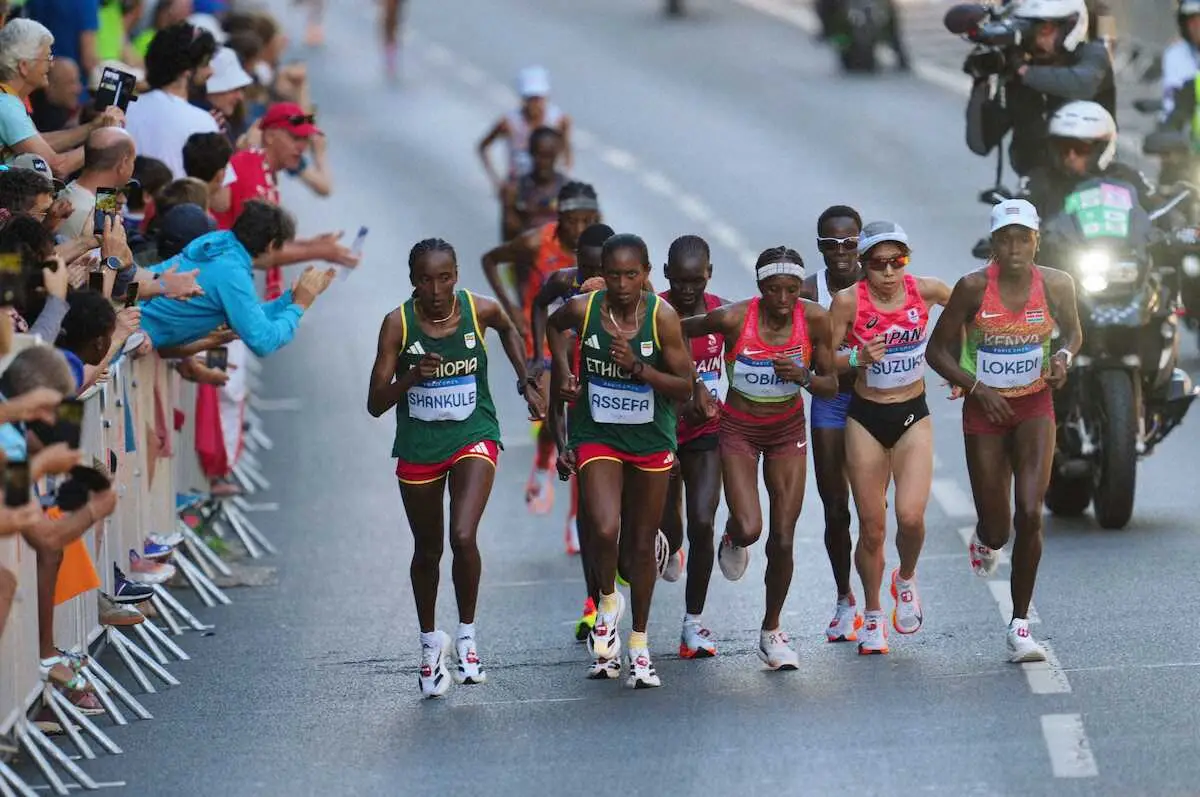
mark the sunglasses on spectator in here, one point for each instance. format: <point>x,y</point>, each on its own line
<point>1074,146</point>
<point>882,263</point>
<point>837,244</point>
<point>296,121</point>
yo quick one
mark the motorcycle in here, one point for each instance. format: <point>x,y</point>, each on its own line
<point>857,27</point>
<point>675,8</point>
<point>1124,394</point>
<point>1180,163</point>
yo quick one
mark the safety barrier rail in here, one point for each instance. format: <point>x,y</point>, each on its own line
<point>137,403</point>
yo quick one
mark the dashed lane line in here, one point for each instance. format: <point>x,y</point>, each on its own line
<point>953,500</point>
<point>1046,677</point>
<point>1070,754</point>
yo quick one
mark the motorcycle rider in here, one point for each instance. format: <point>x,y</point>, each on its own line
<point>832,14</point>
<point>1181,60</point>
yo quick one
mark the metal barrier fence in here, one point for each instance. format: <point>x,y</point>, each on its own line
<point>121,416</point>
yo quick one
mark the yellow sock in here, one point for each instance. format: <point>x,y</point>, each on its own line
<point>608,604</point>
<point>638,641</point>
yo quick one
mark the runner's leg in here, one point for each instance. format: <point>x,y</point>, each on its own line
<point>739,472</point>
<point>643,497</point>
<point>869,471</point>
<point>785,479</point>
<point>990,472</point>
<point>912,470</point>
<point>470,485</point>
<point>423,506</point>
<point>672,516</point>
<point>1033,457</point>
<point>829,460</point>
<point>701,472</point>
<point>600,488</point>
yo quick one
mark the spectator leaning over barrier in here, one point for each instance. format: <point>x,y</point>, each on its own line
<point>225,261</point>
<point>24,68</point>
<point>108,160</point>
<point>93,333</point>
<point>206,157</point>
<point>225,92</point>
<point>44,303</point>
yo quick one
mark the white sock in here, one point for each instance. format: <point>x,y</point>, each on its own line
<point>466,630</point>
<point>430,638</point>
<point>691,619</point>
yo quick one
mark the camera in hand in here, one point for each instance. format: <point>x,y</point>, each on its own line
<point>218,358</point>
<point>17,484</point>
<point>116,88</point>
<point>12,280</point>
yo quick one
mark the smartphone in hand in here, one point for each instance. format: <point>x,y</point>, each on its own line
<point>131,295</point>
<point>356,247</point>
<point>68,426</point>
<point>96,282</point>
<point>107,204</point>
<point>116,88</point>
<point>218,358</point>
<point>17,485</point>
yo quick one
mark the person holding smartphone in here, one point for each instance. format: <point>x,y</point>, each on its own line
<point>446,433</point>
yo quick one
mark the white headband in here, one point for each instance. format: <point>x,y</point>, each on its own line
<point>578,203</point>
<point>782,267</point>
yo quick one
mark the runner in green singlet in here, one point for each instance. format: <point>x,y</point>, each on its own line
<point>431,366</point>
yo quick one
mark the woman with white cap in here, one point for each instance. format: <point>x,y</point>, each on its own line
<point>515,127</point>
<point>776,345</point>
<point>1003,365</point>
<point>889,434</point>
<point>225,91</point>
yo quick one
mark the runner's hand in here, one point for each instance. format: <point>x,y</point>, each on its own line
<point>787,369</point>
<point>535,368</point>
<point>429,364</point>
<point>995,406</point>
<point>872,352</point>
<point>621,354</point>
<point>1058,373</point>
<point>566,464</point>
<point>536,401</point>
<point>568,392</point>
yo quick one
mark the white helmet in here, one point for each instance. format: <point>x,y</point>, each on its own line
<point>1087,121</point>
<point>1073,12</point>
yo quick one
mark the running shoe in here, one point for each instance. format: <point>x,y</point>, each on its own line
<point>126,591</point>
<point>1021,645</point>
<point>172,540</point>
<point>434,678</point>
<point>470,671</point>
<point>907,616</point>
<point>154,550</point>
<point>662,553</point>
<point>732,559</point>
<point>675,566</point>
<point>984,560</point>
<point>873,639</point>
<point>539,491</point>
<point>642,674</point>
<point>604,669</point>
<point>696,642</point>
<point>845,623</point>
<point>586,622</point>
<point>604,642</point>
<point>775,649</point>
<point>571,536</point>
<point>147,571</point>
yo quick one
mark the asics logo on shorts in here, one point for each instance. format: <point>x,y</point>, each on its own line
<point>416,348</point>
<point>592,342</point>
<point>908,421</point>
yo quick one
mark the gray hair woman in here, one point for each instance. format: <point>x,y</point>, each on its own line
<point>25,61</point>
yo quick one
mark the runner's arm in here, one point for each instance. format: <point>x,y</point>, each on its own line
<point>841,316</point>
<point>568,152</point>
<point>498,131</point>
<point>508,206</point>
<point>385,390</point>
<point>675,382</point>
<point>933,290</point>
<point>508,252</point>
<point>946,340</point>
<point>1064,308</point>
<point>492,315</point>
<point>555,287</point>
<point>823,379</point>
<point>567,317</point>
<point>726,320</point>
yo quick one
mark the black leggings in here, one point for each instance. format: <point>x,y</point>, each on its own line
<point>887,423</point>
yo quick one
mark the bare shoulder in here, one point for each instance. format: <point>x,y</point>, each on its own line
<point>1056,278</point>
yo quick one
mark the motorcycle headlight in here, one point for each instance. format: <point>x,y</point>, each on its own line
<point>1098,270</point>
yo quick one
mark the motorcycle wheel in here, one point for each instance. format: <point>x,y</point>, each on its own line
<point>1117,474</point>
<point>1068,497</point>
<point>675,8</point>
<point>859,55</point>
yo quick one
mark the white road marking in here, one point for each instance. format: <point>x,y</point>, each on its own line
<point>1046,677</point>
<point>725,235</point>
<point>1070,754</point>
<point>472,75</point>
<point>438,55</point>
<point>1002,594</point>
<point>694,209</point>
<point>618,159</point>
<point>534,583</point>
<point>658,183</point>
<point>952,499</point>
<point>522,702</point>
<point>582,139</point>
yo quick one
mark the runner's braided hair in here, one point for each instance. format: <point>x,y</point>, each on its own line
<point>625,240</point>
<point>595,235</point>
<point>778,254</point>
<point>422,248</point>
<point>686,246</point>
<point>577,190</point>
<point>838,212</point>
<point>536,137</point>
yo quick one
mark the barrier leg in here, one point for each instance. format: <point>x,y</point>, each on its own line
<point>239,475</point>
<point>260,437</point>
<point>84,721</point>
<point>122,645</point>
<point>169,644</point>
<point>34,738</point>
<point>244,505</point>
<point>209,592</point>
<point>202,553</point>
<point>150,644</point>
<point>11,784</point>
<point>67,723</point>
<point>254,474</point>
<point>102,694</point>
<point>245,528</point>
<point>24,732</point>
<point>113,685</point>
<point>167,615</point>
<point>144,658</point>
<point>161,592</point>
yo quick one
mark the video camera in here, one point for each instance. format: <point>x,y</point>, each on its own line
<point>995,29</point>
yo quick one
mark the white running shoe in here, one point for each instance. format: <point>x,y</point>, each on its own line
<point>1021,645</point>
<point>604,642</point>
<point>604,669</point>
<point>776,651</point>
<point>675,566</point>
<point>872,640</point>
<point>845,623</point>
<point>696,642</point>
<point>732,559</point>
<point>662,553</point>
<point>984,560</point>
<point>642,674</point>
<point>907,616</point>
<point>470,671</point>
<point>434,678</point>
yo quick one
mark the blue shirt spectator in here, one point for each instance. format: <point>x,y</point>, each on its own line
<point>76,365</point>
<point>69,21</point>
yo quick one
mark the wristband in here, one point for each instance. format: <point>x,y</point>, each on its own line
<point>1066,355</point>
<point>853,362</point>
<point>972,390</point>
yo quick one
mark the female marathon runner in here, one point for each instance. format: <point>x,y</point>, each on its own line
<point>633,366</point>
<point>445,425</point>
<point>698,468</point>
<point>771,342</point>
<point>1010,309</point>
<point>531,200</point>
<point>516,127</point>
<point>889,434</point>
<point>549,248</point>
<point>838,229</point>
<point>393,12</point>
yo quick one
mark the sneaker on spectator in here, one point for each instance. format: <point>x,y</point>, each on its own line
<point>88,704</point>
<point>154,550</point>
<point>148,571</point>
<point>127,591</point>
<point>224,488</point>
<point>115,614</point>
<point>172,540</point>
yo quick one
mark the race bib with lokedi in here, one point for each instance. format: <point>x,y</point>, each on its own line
<point>1009,367</point>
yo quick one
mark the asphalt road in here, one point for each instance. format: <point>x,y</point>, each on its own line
<point>732,125</point>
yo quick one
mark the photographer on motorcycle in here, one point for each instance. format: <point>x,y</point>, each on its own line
<point>836,28</point>
<point>1181,60</point>
<point>1049,64</point>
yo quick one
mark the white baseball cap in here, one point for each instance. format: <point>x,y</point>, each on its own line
<point>878,232</point>
<point>533,81</point>
<point>1015,211</point>
<point>211,24</point>
<point>228,74</point>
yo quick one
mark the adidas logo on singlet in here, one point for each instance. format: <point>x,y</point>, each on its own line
<point>592,342</point>
<point>416,348</point>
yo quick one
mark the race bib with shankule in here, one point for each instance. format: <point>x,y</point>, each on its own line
<point>448,399</point>
<point>613,401</point>
<point>1009,366</point>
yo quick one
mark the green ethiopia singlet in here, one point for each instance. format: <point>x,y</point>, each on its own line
<point>440,416</point>
<point>614,408</point>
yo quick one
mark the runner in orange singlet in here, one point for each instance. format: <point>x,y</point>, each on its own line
<point>548,248</point>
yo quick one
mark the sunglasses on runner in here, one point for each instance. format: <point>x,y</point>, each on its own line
<point>837,244</point>
<point>882,263</point>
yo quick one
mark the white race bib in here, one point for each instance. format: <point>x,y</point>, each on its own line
<point>1009,366</point>
<point>715,382</point>
<point>450,399</point>
<point>625,403</point>
<point>899,367</point>
<point>756,379</point>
